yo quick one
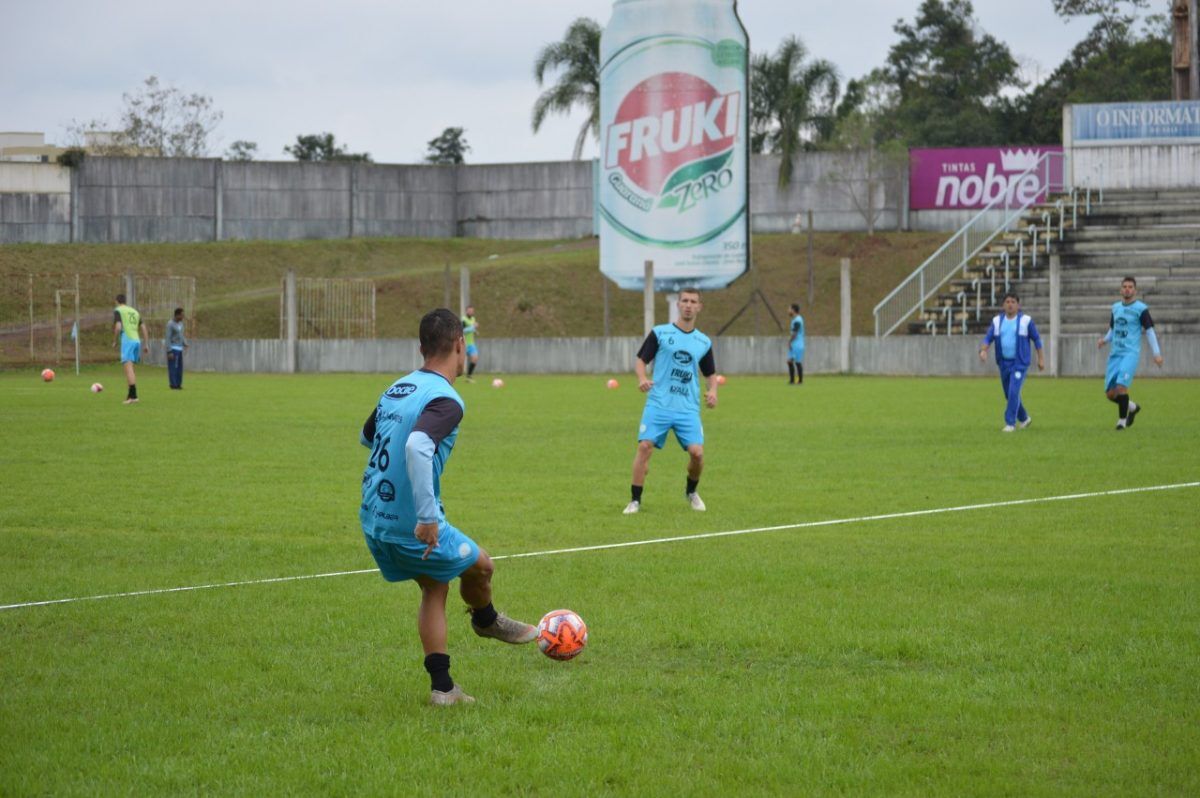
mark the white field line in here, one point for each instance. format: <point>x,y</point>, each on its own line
<point>654,541</point>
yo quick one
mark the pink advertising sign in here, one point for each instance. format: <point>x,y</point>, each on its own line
<point>969,178</point>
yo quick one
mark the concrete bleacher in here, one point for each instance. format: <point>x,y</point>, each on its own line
<point>1152,235</point>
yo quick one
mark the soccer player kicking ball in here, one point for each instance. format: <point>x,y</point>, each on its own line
<point>130,332</point>
<point>1129,318</point>
<point>410,434</point>
<point>1013,332</point>
<point>673,400</point>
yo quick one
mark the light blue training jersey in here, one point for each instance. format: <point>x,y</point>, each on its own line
<point>676,363</point>
<point>798,331</point>
<point>1127,322</point>
<point>388,511</point>
<point>1008,337</point>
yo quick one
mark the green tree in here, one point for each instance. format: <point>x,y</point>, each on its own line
<point>793,103</point>
<point>322,147</point>
<point>448,148</point>
<point>948,76</point>
<point>1113,24</point>
<point>156,120</point>
<point>577,58</point>
<point>1111,64</point>
<point>866,162</point>
<point>241,150</point>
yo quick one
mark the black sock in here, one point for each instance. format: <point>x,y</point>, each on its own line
<point>470,369</point>
<point>636,492</point>
<point>691,485</point>
<point>1123,405</point>
<point>791,372</point>
<point>484,616</point>
<point>438,666</point>
<point>133,392</point>
<point>799,372</point>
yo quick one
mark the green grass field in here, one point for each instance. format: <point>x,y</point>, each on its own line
<point>1042,649</point>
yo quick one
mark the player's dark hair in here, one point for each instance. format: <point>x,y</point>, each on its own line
<point>1129,280</point>
<point>1012,294</point>
<point>120,299</point>
<point>796,306</point>
<point>689,290</point>
<point>178,311</point>
<point>439,330</point>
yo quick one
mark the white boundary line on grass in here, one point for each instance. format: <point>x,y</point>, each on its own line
<point>628,544</point>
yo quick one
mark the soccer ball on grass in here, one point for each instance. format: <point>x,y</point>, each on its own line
<point>562,635</point>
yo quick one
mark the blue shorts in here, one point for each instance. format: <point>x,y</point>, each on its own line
<point>399,561</point>
<point>472,350</point>
<point>1120,369</point>
<point>796,353</point>
<point>131,351</point>
<point>656,423</point>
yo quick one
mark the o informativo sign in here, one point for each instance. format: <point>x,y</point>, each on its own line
<point>674,140</point>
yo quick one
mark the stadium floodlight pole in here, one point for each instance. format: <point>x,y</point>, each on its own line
<point>648,298</point>
<point>1055,312</point>
<point>845,342</point>
<point>1194,59</point>
<point>812,280</point>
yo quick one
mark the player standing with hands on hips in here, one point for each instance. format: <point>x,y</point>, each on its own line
<point>410,434</point>
<point>673,395</point>
<point>1129,318</point>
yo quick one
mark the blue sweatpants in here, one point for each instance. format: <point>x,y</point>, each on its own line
<point>1012,378</point>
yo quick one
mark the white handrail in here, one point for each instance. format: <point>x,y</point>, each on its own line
<point>970,240</point>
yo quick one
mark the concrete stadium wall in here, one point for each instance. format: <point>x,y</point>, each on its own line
<point>897,355</point>
<point>156,199</point>
<point>34,178</point>
<point>177,199</point>
<point>35,218</point>
<point>525,200</point>
<point>1137,166</point>
<point>146,199</point>
<point>813,187</point>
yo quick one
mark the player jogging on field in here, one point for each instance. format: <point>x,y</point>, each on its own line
<point>1129,318</point>
<point>410,434</point>
<point>130,331</point>
<point>673,401</point>
<point>470,328</point>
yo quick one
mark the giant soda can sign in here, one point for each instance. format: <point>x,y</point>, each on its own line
<point>674,161</point>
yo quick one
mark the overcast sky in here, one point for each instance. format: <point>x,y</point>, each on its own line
<point>386,77</point>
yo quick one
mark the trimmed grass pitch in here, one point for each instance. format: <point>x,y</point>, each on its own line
<point>1042,649</point>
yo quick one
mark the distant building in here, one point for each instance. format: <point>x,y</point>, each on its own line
<point>27,148</point>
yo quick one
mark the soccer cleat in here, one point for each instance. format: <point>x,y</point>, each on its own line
<point>632,507</point>
<point>508,630</point>
<point>1133,411</point>
<point>1121,425</point>
<point>1025,423</point>
<point>1008,428</point>
<point>696,502</point>
<point>456,696</point>
<point>129,401</point>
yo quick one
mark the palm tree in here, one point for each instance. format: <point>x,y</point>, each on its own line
<point>578,56</point>
<point>792,103</point>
